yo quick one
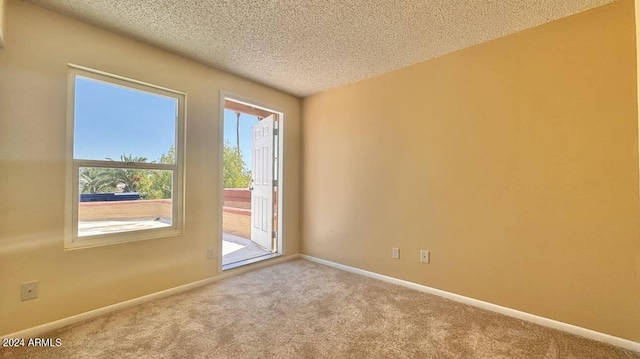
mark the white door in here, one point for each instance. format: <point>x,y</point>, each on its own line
<point>262,183</point>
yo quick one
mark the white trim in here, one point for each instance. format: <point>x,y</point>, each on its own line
<point>126,82</point>
<point>72,240</point>
<point>51,326</point>
<point>131,165</point>
<point>238,264</point>
<point>281,113</point>
<point>550,323</point>
<point>219,243</point>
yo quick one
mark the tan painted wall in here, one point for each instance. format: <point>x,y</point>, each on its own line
<point>33,85</point>
<point>514,162</point>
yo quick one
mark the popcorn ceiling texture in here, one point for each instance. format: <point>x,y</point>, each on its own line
<point>309,46</point>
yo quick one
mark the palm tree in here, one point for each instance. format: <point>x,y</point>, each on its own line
<point>238,130</point>
<point>89,180</point>
<point>128,178</point>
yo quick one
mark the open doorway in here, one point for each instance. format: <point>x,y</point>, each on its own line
<point>251,188</point>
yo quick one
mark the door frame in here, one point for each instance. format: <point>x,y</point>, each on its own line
<point>280,233</point>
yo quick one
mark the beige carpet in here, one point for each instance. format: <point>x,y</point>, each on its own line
<point>300,309</point>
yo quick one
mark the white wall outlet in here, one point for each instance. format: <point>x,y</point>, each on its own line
<point>210,253</point>
<point>395,253</point>
<point>29,290</point>
<point>424,256</point>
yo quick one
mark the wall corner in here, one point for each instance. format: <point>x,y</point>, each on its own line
<point>3,23</point>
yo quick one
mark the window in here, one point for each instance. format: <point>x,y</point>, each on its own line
<point>125,160</point>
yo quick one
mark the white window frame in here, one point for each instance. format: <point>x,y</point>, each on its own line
<point>72,240</point>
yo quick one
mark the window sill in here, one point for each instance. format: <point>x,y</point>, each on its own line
<point>117,238</point>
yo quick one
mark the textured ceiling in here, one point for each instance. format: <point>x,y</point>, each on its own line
<point>307,46</point>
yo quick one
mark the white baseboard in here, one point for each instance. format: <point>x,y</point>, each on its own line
<point>583,332</point>
<point>51,326</point>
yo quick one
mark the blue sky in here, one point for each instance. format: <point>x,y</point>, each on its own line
<point>111,120</point>
<point>246,123</point>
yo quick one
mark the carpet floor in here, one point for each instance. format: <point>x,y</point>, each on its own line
<point>300,309</point>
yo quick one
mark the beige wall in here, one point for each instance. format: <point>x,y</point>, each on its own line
<point>33,85</point>
<point>514,162</point>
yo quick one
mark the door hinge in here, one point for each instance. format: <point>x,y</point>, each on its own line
<point>275,234</point>
<point>275,131</point>
<point>275,183</point>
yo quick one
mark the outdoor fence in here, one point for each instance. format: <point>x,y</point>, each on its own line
<point>124,210</point>
<point>236,201</point>
<point>237,198</point>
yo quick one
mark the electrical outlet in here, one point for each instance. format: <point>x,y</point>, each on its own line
<point>395,253</point>
<point>29,290</point>
<point>424,256</point>
<point>210,253</point>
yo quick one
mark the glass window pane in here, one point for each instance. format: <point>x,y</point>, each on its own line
<point>114,200</point>
<point>122,124</point>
